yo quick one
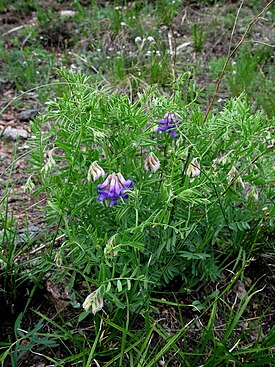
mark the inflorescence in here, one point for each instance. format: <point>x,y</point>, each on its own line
<point>114,187</point>
<point>168,124</point>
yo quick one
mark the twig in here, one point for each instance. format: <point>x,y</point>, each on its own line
<point>30,207</point>
<point>38,249</point>
<point>234,27</point>
<point>254,20</point>
<point>14,29</point>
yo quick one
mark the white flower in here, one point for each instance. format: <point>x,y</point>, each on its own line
<point>252,194</point>
<point>138,39</point>
<point>193,169</point>
<point>222,160</point>
<point>49,164</point>
<point>151,163</point>
<point>234,177</point>
<point>94,301</point>
<point>29,185</point>
<point>95,171</point>
<point>109,248</point>
<point>150,39</point>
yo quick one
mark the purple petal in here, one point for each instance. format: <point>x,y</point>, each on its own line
<point>105,183</point>
<point>163,128</point>
<point>123,194</point>
<point>128,183</point>
<point>125,183</point>
<point>112,203</point>
<point>115,188</point>
<point>173,133</point>
<point>102,196</point>
<point>168,118</point>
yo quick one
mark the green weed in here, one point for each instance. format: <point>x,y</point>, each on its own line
<point>28,67</point>
<point>198,37</point>
<point>224,180</point>
<point>249,72</point>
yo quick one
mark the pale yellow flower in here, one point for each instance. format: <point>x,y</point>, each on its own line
<point>93,301</point>
<point>151,163</point>
<point>95,171</point>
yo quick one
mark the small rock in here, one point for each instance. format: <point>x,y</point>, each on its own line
<point>240,289</point>
<point>30,233</point>
<point>27,115</point>
<point>8,116</point>
<point>67,13</point>
<point>13,134</point>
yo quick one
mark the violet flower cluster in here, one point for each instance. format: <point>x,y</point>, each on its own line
<point>114,187</point>
<point>168,124</point>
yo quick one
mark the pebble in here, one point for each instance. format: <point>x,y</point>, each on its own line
<point>27,115</point>
<point>67,13</point>
<point>13,134</point>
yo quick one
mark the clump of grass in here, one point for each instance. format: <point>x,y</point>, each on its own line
<point>198,37</point>
<point>28,67</point>
<point>249,72</point>
<point>26,7</point>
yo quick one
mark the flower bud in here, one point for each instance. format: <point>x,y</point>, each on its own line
<point>109,248</point>
<point>94,301</point>
<point>234,177</point>
<point>49,164</point>
<point>222,160</point>
<point>150,39</point>
<point>138,39</point>
<point>95,171</point>
<point>252,194</point>
<point>151,163</point>
<point>193,169</point>
<point>29,185</point>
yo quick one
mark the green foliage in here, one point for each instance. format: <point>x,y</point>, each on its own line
<point>173,222</point>
<point>198,37</point>
<point>28,67</point>
<point>250,72</point>
<point>166,10</point>
<point>26,7</point>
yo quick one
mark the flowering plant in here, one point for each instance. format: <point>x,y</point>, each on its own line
<point>169,204</point>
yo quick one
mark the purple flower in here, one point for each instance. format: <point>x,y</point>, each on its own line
<point>168,124</point>
<point>113,187</point>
